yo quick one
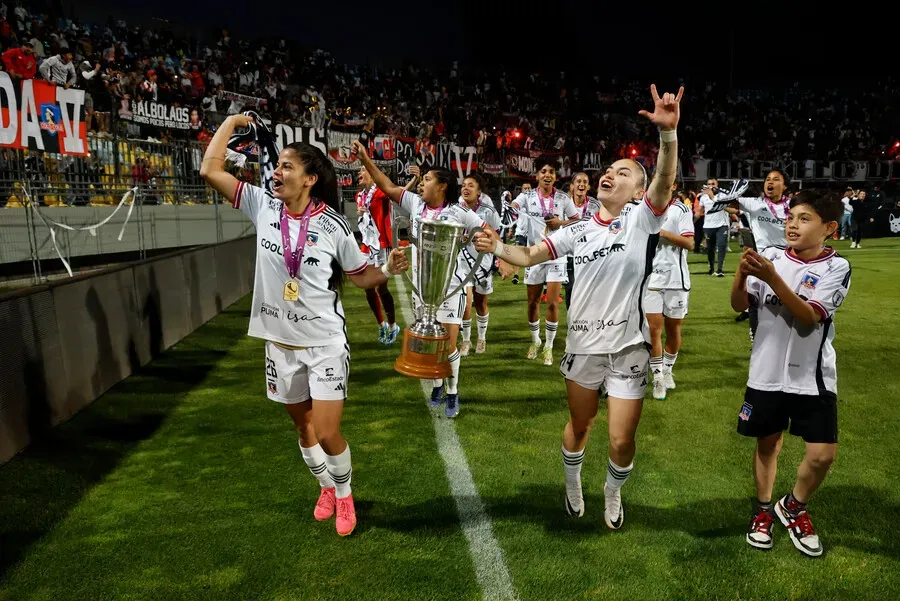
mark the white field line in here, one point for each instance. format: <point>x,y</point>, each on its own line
<point>490,567</point>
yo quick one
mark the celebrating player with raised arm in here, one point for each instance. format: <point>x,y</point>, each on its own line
<point>439,200</point>
<point>304,247</point>
<point>605,342</point>
<point>541,211</point>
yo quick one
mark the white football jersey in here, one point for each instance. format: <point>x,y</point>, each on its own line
<point>485,209</point>
<point>670,266</point>
<point>612,261</point>
<point>715,215</point>
<point>531,213</point>
<point>766,222</point>
<point>588,207</point>
<point>367,227</point>
<point>317,317</point>
<point>414,205</point>
<point>788,356</point>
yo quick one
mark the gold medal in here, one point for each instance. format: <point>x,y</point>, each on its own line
<point>291,291</point>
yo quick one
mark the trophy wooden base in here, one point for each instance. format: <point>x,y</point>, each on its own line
<point>424,357</point>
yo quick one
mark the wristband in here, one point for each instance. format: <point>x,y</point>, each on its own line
<point>385,271</point>
<point>668,135</point>
<point>498,248</point>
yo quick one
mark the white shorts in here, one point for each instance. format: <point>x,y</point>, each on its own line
<point>624,374</point>
<point>545,273</point>
<point>376,258</point>
<point>318,372</point>
<point>671,303</point>
<point>450,311</point>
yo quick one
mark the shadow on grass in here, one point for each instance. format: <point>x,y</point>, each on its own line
<point>851,517</point>
<point>41,485</point>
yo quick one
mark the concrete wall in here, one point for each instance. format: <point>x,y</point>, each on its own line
<point>65,344</point>
<point>165,226</point>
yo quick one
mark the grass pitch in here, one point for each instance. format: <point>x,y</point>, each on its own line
<point>184,482</point>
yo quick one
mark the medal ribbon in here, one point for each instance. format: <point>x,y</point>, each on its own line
<point>772,207</point>
<point>292,258</point>
<point>548,208</point>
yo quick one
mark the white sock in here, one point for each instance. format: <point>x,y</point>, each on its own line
<point>315,459</point>
<point>340,471</point>
<point>466,330</point>
<point>453,380</point>
<point>572,463</point>
<point>656,365</point>
<point>482,325</point>
<point>669,361</point>
<point>616,475</point>
<point>535,331</point>
<point>550,333</point>
<point>384,324</point>
<point>437,383</point>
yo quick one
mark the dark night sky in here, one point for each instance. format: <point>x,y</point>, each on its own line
<point>560,35</point>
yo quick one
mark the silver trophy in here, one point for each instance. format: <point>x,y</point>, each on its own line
<point>426,344</point>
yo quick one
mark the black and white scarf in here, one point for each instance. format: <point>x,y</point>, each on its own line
<point>257,139</point>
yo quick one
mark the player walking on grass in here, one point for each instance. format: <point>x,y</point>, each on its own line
<point>793,375</point>
<point>541,211</point>
<point>477,290</point>
<point>304,247</point>
<point>374,219</point>
<point>666,300</point>
<point>439,200</point>
<point>605,344</point>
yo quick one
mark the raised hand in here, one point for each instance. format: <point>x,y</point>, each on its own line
<point>241,120</point>
<point>666,110</point>
<point>359,149</point>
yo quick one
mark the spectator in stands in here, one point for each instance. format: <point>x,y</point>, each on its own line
<point>20,62</point>
<point>149,86</point>
<point>59,70</point>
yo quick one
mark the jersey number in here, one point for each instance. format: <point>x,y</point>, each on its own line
<point>568,360</point>
<point>270,369</point>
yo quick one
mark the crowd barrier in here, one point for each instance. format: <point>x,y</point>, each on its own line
<point>66,343</point>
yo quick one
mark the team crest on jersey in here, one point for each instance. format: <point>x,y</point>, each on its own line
<point>273,387</point>
<point>615,227</point>
<point>810,280</point>
<point>746,410</point>
<point>312,238</point>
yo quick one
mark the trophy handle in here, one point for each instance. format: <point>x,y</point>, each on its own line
<point>396,221</point>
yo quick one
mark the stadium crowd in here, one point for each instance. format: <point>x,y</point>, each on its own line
<point>115,62</point>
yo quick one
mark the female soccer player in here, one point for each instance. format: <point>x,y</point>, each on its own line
<point>478,289</point>
<point>305,246</point>
<point>541,211</point>
<point>439,200</point>
<point>605,343</point>
<point>666,300</point>
<point>586,206</point>
<point>374,220</point>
